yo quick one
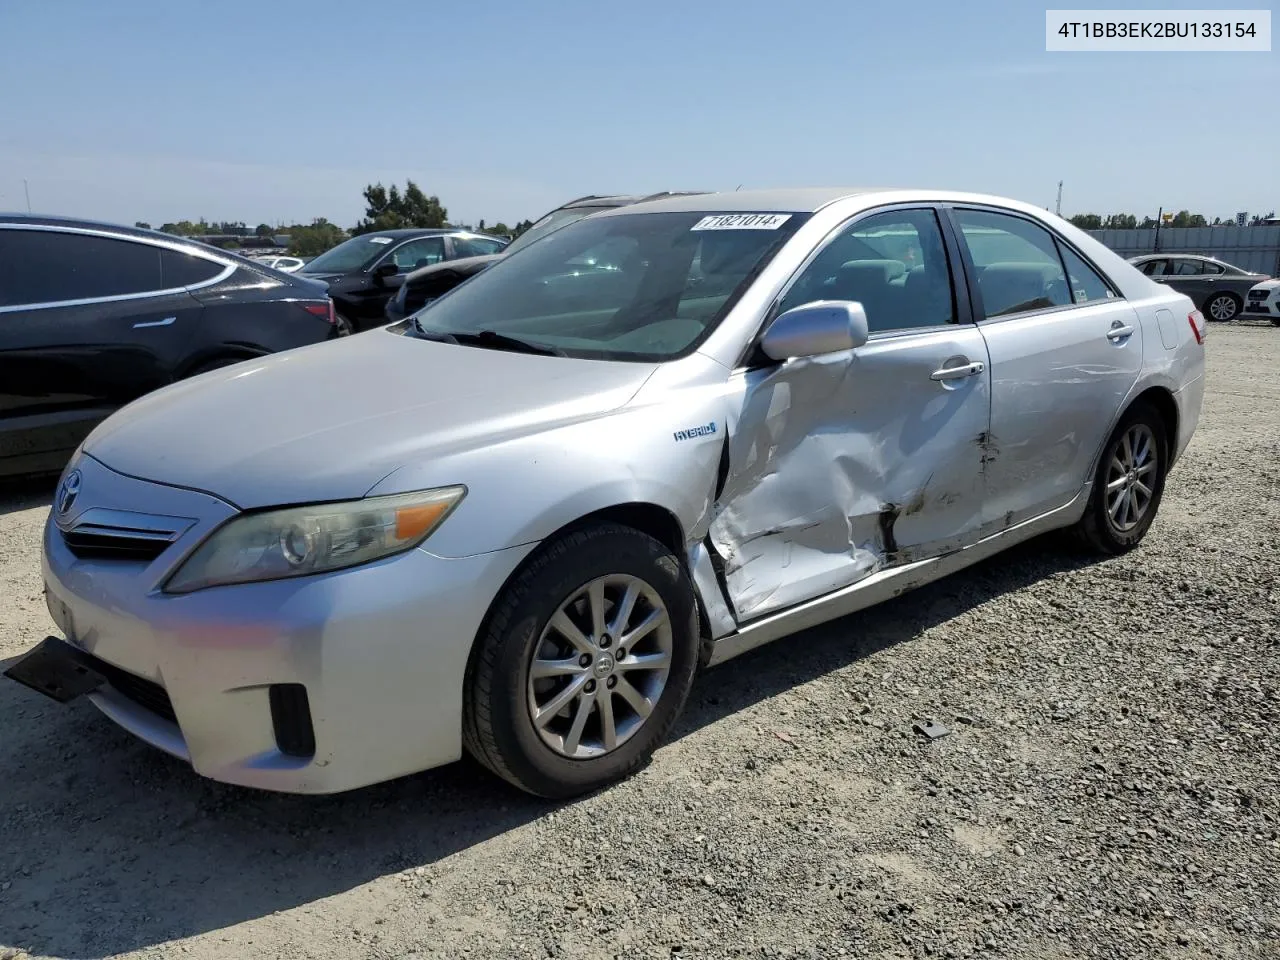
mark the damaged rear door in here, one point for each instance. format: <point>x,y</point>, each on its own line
<point>842,465</point>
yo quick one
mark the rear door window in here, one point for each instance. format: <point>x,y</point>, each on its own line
<point>1186,268</point>
<point>422,252</point>
<point>476,246</point>
<point>1017,263</point>
<point>49,266</point>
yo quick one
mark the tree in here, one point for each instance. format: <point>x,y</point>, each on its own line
<point>185,228</point>
<point>499,229</point>
<point>264,230</point>
<point>1120,221</point>
<point>142,225</point>
<point>314,239</point>
<point>1087,221</point>
<point>1185,218</point>
<point>390,209</point>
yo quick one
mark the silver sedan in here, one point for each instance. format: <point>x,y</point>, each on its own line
<point>645,444</point>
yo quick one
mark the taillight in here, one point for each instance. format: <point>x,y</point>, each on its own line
<point>1198,327</point>
<point>323,310</point>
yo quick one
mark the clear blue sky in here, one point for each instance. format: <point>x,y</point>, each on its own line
<point>146,109</point>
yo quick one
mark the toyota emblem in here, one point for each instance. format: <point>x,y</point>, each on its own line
<point>70,490</point>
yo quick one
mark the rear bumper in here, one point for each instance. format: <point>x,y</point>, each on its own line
<point>1189,400</point>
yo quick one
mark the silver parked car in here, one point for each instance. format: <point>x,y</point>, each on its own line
<point>547,504</point>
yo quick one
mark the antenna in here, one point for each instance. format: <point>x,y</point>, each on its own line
<point>27,191</point>
<point>1059,210</point>
<point>737,188</point>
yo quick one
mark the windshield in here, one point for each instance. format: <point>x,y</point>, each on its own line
<point>350,255</point>
<point>642,287</point>
<point>550,223</point>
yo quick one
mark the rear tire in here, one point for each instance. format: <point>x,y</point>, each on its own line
<point>614,697</point>
<point>1128,484</point>
<point>342,326</point>
<point>1223,307</point>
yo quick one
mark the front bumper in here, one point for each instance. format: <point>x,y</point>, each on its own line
<point>1261,308</point>
<point>380,651</point>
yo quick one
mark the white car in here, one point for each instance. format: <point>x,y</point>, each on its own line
<point>283,264</point>
<point>1263,300</point>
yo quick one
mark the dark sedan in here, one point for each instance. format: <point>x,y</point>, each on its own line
<point>365,272</point>
<point>435,280</point>
<point>93,316</point>
<point>1217,288</point>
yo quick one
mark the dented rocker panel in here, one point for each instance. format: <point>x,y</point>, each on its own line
<point>887,584</point>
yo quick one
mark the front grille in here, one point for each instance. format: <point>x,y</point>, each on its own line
<point>114,545</point>
<point>145,693</point>
<point>1257,294</point>
<point>120,535</point>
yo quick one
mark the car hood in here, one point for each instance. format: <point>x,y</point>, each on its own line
<point>1267,285</point>
<point>328,422</point>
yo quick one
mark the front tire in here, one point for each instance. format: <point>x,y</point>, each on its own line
<point>584,664</point>
<point>1128,484</point>
<point>1223,307</point>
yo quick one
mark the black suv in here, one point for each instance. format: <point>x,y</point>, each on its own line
<point>94,315</point>
<point>363,273</point>
<point>435,280</point>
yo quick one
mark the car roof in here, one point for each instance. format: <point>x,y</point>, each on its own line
<point>624,199</point>
<point>793,200</point>
<point>414,232</point>
<point>77,223</point>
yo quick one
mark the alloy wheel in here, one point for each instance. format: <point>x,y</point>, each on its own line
<point>1131,477</point>
<point>600,666</point>
<point>1222,307</point>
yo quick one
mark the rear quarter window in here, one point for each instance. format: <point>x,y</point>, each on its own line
<point>186,270</point>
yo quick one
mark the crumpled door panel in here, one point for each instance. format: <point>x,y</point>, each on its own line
<point>840,466</point>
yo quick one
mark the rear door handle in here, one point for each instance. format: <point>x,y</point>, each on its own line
<point>155,323</point>
<point>1120,332</point>
<point>958,373</point>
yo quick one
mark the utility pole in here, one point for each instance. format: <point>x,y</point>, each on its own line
<point>27,191</point>
<point>1159,220</point>
<point>1058,211</point>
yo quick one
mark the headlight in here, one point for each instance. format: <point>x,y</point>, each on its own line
<point>302,540</point>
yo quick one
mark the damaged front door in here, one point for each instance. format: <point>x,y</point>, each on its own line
<point>844,464</point>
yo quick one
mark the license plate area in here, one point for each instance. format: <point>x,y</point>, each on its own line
<point>56,669</point>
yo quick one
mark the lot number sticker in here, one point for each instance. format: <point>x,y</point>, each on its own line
<point>742,221</point>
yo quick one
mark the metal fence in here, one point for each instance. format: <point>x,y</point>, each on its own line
<point>1250,248</point>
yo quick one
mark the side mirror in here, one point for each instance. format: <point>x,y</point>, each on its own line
<point>385,269</point>
<point>814,329</point>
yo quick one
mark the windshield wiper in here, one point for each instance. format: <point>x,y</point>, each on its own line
<point>500,341</point>
<point>485,338</point>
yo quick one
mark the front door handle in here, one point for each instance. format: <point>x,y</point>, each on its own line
<point>1119,332</point>
<point>958,373</point>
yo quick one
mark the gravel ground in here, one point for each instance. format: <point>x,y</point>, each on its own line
<point>1108,787</point>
